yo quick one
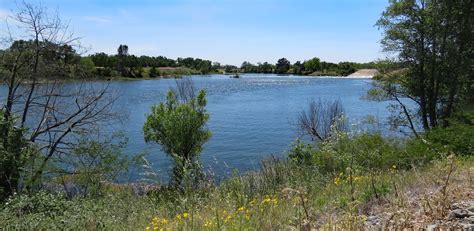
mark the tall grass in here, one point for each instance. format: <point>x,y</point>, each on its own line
<point>346,183</point>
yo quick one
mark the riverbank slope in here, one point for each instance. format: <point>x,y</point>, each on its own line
<point>438,195</point>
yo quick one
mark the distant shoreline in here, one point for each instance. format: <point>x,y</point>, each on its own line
<point>345,77</point>
<point>355,75</point>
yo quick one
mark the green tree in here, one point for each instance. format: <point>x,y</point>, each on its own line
<point>179,126</point>
<point>247,67</point>
<point>434,41</point>
<point>328,67</point>
<point>298,68</point>
<point>312,65</point>
<point>100,59</point>
<point>265,68</point>
<point>47,115</point>
<point>282,66</point>
<point>153,72</point>
<point>94,162</point>
<point>123,59</point>
<point>87,66</point>
<point>230,69</point>
<point>12,155</point>
<point>216,66</point>
<point>345,68</point>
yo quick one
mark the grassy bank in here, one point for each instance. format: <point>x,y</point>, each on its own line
<point>362,182</point>
<point>414,198</point>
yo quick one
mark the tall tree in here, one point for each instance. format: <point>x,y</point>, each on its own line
<point>247,67</point>
<point>434,41</point>
<point>345,68</point>
<point>179,126</point>
<point>122,54</point>
<point>266,68</point>
<point>298,68</point>
<point>282,66</point>
<point>312,65</point>
<point>48,115</point>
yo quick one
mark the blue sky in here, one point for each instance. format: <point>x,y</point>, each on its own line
<point>227,31</point>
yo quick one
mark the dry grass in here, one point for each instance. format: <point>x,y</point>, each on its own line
<point>279,198</point>
<point>424,197</point>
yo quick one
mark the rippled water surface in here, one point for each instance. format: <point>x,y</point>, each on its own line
<point>250,117</point>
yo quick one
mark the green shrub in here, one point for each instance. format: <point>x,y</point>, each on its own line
<point>458,137</point>
<point>93,164</point>
<point>179,126</point>
<point>301,153</point>
<point>366,152</point>
<point>41,202</point>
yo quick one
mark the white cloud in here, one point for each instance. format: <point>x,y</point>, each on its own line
<point>97,19</point>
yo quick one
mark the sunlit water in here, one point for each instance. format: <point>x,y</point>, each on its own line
<point>250,117</point>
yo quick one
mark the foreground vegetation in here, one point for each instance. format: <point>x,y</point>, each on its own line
<point>358,182</point>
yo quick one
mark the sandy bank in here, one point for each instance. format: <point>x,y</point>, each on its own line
<point>364,73</point>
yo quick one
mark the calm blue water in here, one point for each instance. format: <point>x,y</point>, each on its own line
<point>250,118</point>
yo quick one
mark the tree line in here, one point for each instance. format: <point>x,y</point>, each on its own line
<point>127,65</point>
<point>124,64</point>
<point>312,66</point>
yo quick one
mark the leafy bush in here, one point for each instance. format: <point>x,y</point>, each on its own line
<point>179,126</point>
<point>92,164</point>
<point>366,152</point>
<point>41,202</point>
<point>458,137</point>
<point>301,153</point>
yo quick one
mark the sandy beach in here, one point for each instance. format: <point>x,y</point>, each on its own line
<point>363,74</point>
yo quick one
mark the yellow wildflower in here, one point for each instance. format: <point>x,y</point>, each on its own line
<point>241,209</point>
<point>228,218</point>
<point>147,228</point>
<point>275,201</point>
<point>252,202</point>
<point>185,215</point>
<point>207,223</point>
<point>393,169</point>
<point>266,200</point>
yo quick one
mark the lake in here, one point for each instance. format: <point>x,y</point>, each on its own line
<point>251,117</point>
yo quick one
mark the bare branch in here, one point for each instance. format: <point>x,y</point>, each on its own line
<point>185,89</point>
<point>321,118</point>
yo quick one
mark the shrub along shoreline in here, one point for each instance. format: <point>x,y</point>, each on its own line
<point>361,181</point>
